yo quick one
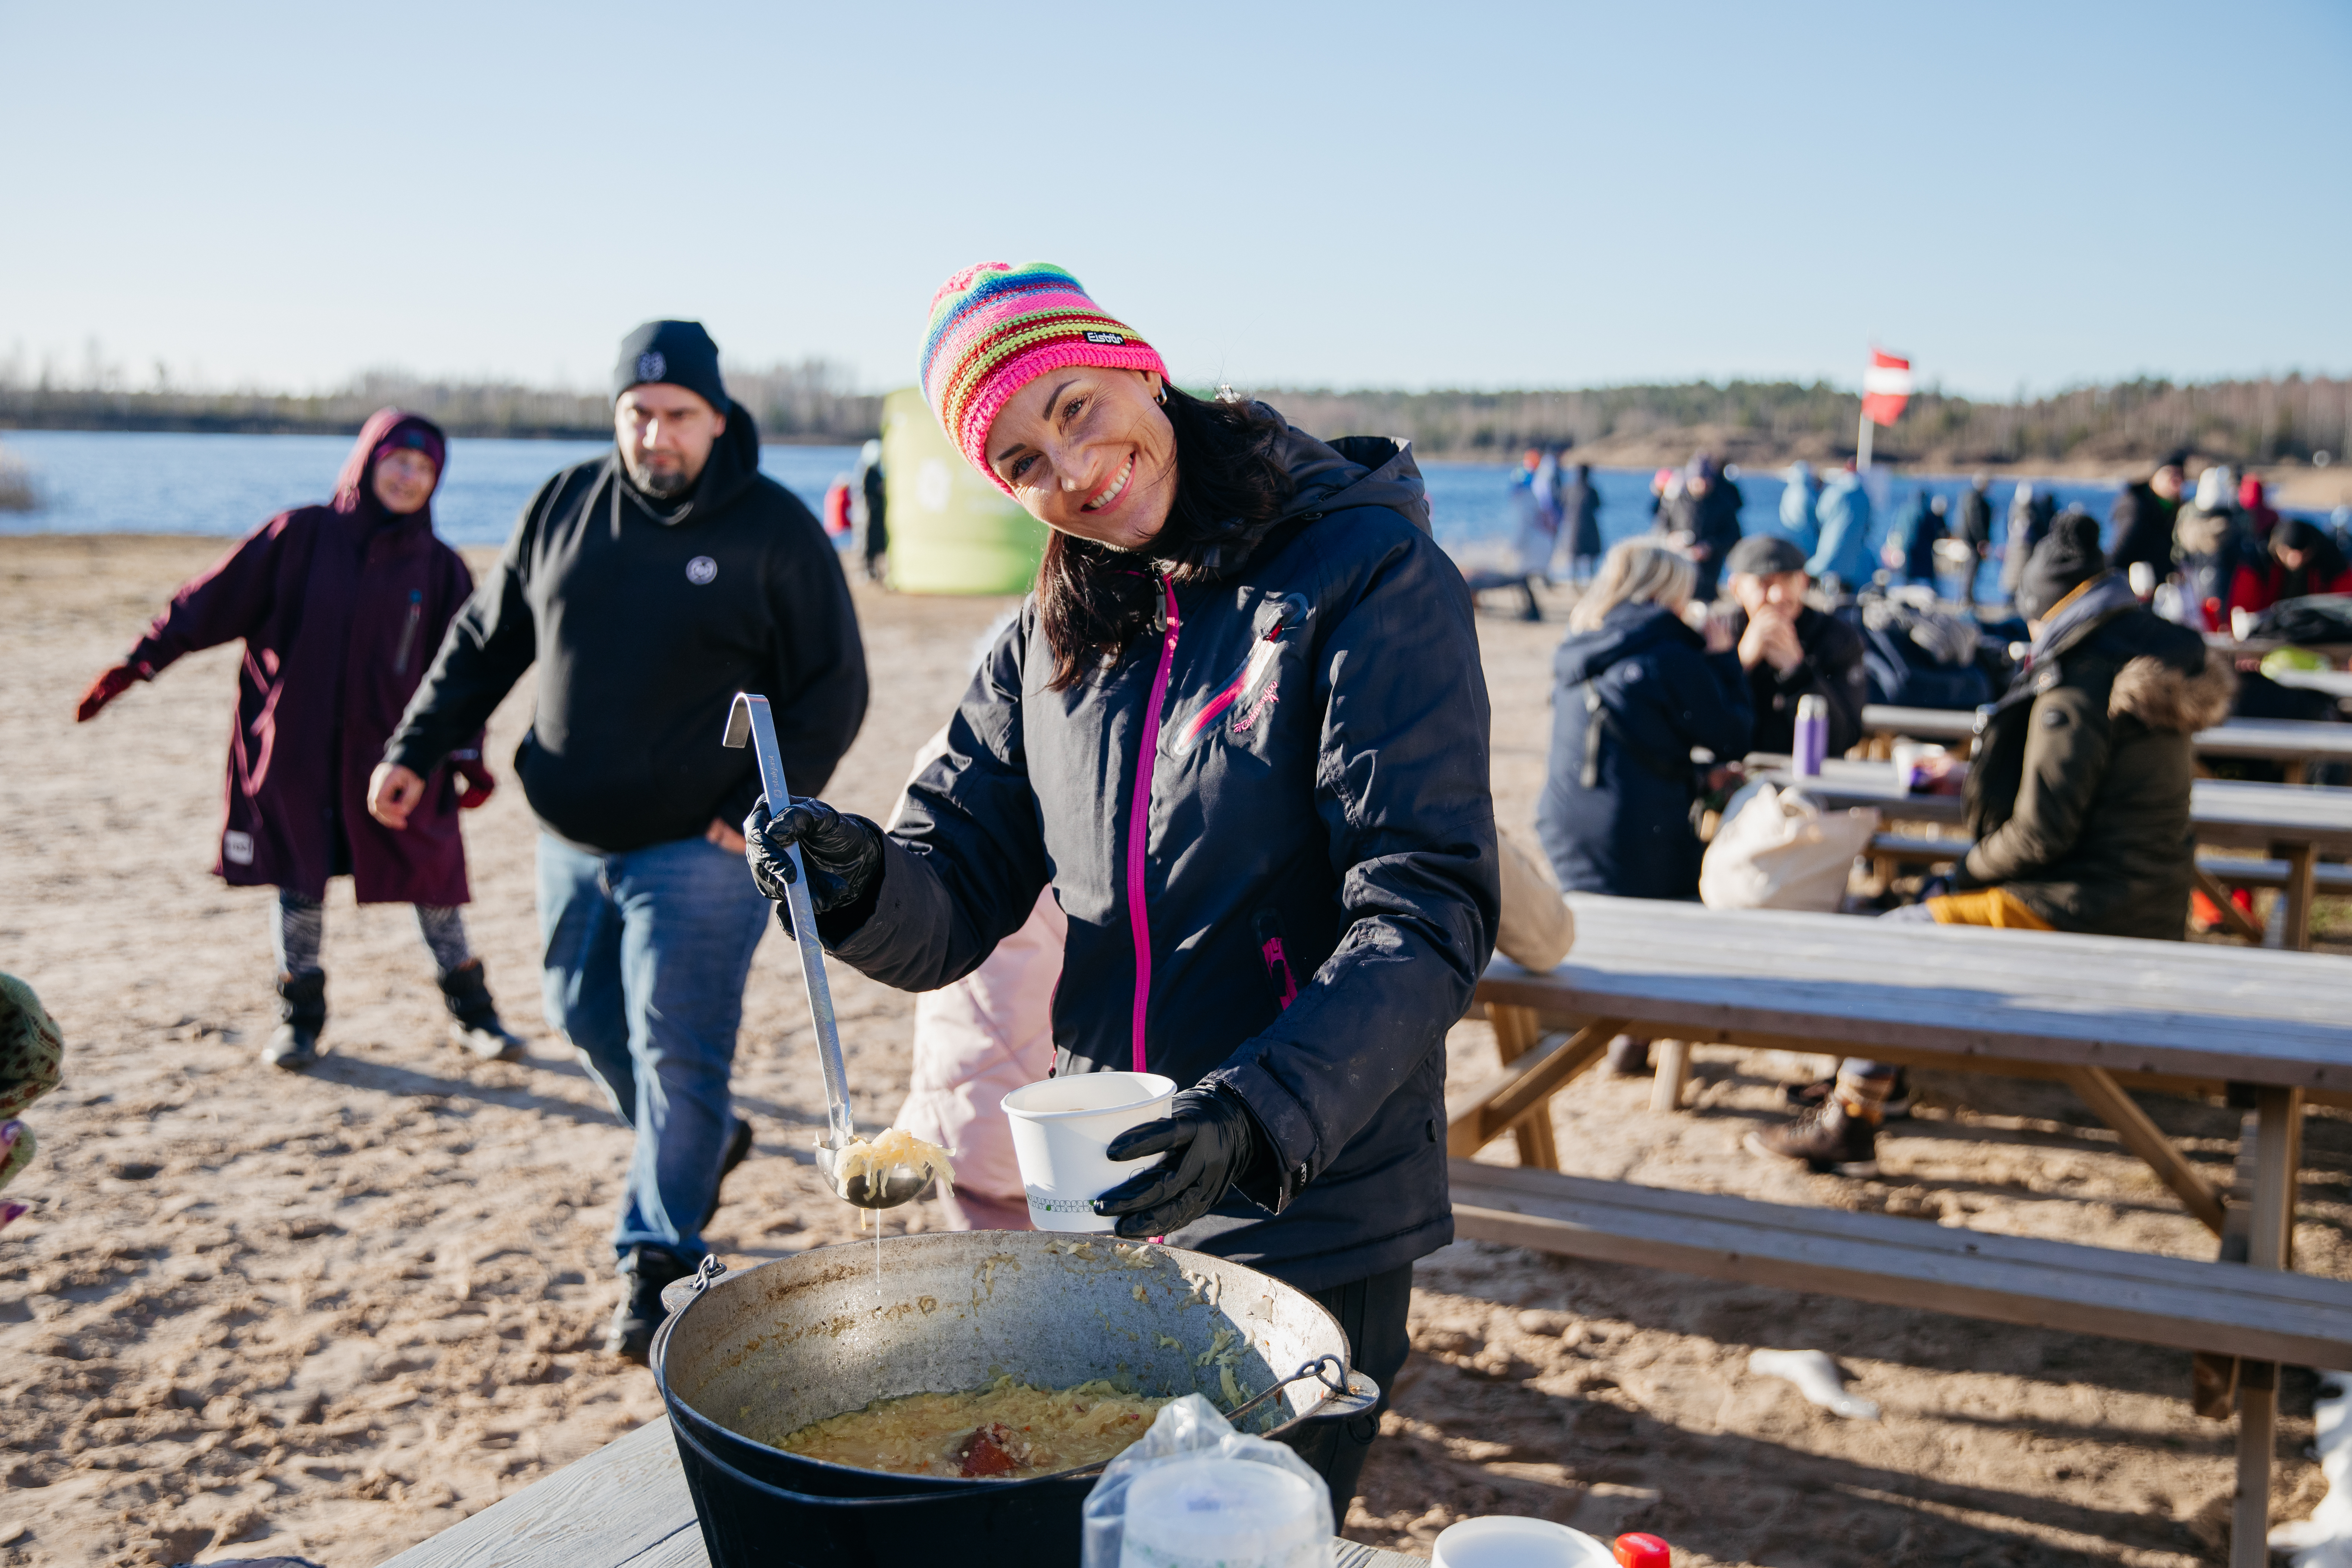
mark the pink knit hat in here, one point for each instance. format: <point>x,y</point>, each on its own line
<point>995,328</point>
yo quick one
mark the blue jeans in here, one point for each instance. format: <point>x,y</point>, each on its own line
<point>644,959</point>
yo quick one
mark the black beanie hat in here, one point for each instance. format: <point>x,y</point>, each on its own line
<point>677,352</point>
<point>2068,557</point>
<point>1763,555</point>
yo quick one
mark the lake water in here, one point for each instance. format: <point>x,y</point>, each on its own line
<point>143,482</point>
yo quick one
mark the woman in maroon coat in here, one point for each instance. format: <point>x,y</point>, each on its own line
<point>340,607</point>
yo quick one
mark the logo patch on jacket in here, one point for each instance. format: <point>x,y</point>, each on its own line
<point>700,570</point>
<point>236,848</point>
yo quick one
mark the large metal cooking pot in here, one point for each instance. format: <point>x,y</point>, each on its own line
<point>804,1337</point>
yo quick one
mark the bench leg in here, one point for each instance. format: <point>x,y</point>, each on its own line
<point>2238,922</point>
<point>2302,876</point>
<point>2098,1090</point>
<point>1666,1088</point>
<point>2270,1235</point>
<point>1517,1030</point>
<point>1526,1089</point>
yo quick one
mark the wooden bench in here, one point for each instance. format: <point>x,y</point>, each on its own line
<point>626,1506</point>
<point>2216,874</point>
<point>2100,1014</point>
<point>2258,1314</point>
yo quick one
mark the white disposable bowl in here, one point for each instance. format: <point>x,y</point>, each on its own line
<point>1502,1540</point>
<point>1060,1130</point>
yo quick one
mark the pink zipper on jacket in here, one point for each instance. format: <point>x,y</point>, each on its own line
<point>1138,820</point>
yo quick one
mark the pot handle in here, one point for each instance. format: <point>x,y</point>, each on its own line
<point>679,1294</point>
<point>1346,1392</point>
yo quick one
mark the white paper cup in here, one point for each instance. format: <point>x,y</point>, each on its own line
<point>1501,1541</point>
<point>1219,1513</point>
<point>1061,1127</point>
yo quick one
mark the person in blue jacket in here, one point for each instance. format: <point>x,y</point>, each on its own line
<point>1799,497</point>
<point>1637,689</point>
<point>1844,551</point>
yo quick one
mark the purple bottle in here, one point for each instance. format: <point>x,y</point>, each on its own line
<point>1812,737</point>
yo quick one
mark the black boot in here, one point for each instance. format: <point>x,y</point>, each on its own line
<point>644,1271</point>
<point>478,1027</point>
<point>302,1013</point>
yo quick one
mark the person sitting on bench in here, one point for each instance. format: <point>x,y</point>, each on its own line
<point>1790,649</point>
<point>2078,799</point>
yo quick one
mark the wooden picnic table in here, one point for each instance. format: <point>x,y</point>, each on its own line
<point>2100,1014</point>
<point>2294,743</point>
<point>2297,824</point>
<point>626,1506</point>
<point>2336,683</point>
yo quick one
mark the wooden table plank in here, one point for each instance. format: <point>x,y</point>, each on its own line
<point>626,1506</point>
<point>2172,1009</point>
<point>2228,813</point>
<point>614,1507</point>
<point>2270,740</point>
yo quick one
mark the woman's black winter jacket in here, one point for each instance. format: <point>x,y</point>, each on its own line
<point>1309,892</point>
<point>1634,697</point>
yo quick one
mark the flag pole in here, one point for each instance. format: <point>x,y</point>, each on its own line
<point>1862,442</point>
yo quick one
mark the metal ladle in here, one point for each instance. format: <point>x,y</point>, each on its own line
<point>751,722</point>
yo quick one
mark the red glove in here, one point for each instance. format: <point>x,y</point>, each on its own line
<point>475,790</point>
<point>108,687</point>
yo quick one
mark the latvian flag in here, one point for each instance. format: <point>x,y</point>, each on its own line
<point>1885,388</point>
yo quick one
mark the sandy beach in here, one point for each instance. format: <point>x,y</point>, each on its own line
<point>331,1315</point>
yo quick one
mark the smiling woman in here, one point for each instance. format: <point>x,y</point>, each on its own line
<point>1240,732</point>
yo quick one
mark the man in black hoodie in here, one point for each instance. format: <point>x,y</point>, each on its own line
<point>650,585</point>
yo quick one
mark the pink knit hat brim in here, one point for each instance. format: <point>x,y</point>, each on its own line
<point>997,328</point>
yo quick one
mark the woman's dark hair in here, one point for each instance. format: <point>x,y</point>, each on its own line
<point>1230,486</point>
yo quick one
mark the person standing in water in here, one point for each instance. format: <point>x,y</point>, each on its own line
<point>650,584</point>
<point>1241,730</point>
<point>340,608</point>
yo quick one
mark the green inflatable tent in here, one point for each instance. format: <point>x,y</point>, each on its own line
<point>951,531</point>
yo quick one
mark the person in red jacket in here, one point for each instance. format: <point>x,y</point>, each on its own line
<point>340,607</point>
<point>2300,559</point>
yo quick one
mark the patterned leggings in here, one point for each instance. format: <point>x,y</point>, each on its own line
<point>298,925</point>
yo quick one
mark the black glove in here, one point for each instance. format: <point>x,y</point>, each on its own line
<point>843,853</point>
<point>1206,1137</point>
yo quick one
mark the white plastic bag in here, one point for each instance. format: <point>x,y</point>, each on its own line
<point>1200,1500</point>
<point>1778,850</point>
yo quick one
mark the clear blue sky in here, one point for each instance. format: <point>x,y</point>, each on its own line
<point>1359,194</point>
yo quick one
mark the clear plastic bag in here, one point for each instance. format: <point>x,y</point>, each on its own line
<point>1202,1502</point>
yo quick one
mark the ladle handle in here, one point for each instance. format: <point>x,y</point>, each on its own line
<point>750,720</point>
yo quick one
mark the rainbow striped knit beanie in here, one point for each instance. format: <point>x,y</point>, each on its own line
<point>995,328</point>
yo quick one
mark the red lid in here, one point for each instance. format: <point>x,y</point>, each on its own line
<point>1643,1551</point>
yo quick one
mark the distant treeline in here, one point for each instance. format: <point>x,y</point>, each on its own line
<point>1754,423</point>
<point>809,402</point>
<point>1758,422</point>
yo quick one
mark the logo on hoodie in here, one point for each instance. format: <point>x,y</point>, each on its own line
<point>700,570</point>
<point>650,365</point>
